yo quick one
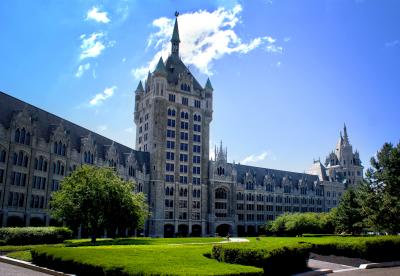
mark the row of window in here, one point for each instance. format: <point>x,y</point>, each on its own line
<point>22,136</point>
<point>37,202</point>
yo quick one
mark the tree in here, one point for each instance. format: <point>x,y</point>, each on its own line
<point>380,194</point>
<point>97,198</point>
<point>348,216</point>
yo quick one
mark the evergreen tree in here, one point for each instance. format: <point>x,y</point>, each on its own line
<point>348,217</point>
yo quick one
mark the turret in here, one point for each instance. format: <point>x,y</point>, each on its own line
<point>159,78</point>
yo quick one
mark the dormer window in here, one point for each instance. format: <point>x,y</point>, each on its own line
<point>185,87</point>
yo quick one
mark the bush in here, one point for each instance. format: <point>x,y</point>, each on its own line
<point>34,235</point>
<point>375,249</point>
<point>274,261</point>
<point>294,224</point>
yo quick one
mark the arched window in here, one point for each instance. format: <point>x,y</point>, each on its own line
<point>181,192</point>
<point>40,165</point>
<point>28,139</point>
<point>198,193</point>
<point>221,193</point>
<point>3,155</point>
<point>25,161</point>
<point>20,158</point>
<point>22,138</point>
<point>185,192</point>
<point>17,135</point>
<point>15,159</point>
<point>167,191</point>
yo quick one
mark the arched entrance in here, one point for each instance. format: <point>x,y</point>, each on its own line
<point>251,230</point>
<point>196,230</point>
<point>169,231</point>
<point>223,230</point>
<point>36,221</point>
<point>15,221</point>
<point>183,230</point>
<point>241,230</point>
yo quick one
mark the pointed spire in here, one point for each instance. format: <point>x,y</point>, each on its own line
<point>345,137</point>
<point>139,88</point>
<point>160,68</point>
<point>208,85</point>
<point>175,38</point>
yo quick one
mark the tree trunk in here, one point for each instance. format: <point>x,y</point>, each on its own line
<point>94,232</point>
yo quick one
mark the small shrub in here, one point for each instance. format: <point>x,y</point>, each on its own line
<point>272,261</point>
<point>34,235</point>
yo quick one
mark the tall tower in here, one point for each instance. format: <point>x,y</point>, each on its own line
<point>173,113</point>
<point>343,164</point>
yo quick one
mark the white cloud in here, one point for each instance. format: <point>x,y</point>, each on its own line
<point>81,69</point>
<point>205,37</point>
<point>99,98</point>
<point>98,16</point>
<point>94,44</point>
<point>392,43</point>
<point>251,159</point>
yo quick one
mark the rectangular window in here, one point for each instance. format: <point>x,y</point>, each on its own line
<point>196,180</point>
<point>170,133</point>
<point>184,136</point>
<point>170,156</point>
<point>184,147</point>
<point>197,103</point>
<point>184,125</point>
<point>183,168</point>
<point>170,145</point>
<point>196,148</point>
<point>183,157</point>
<point>169,178</point>
<point>197,128</point>
<point>169,167</point>
<point>196,159</point>
<point>196,170</point>
<point>171,122</point>
<point>185,101</point>
<point>171,98</point>
<point>196,138</point>
<point>183,179</point>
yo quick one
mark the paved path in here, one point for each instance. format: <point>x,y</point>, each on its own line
<point>12,270</point>
<point>316,264</point>
<point>388,271</point>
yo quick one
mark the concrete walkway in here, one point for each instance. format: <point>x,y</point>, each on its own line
<point>226,241</point>
<point>12,270</point>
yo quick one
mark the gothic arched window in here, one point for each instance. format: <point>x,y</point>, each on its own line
<point>221,193</point>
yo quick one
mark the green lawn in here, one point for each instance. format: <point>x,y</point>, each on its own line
<point>176,256</point>
<point>159,259</point>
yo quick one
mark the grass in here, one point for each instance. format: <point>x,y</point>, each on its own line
<point>12,248</point>
<point>21,255</point>
<point>155,259</point>
<point>141,241</point>
<point>177,256</point>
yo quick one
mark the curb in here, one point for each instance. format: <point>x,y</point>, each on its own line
<point>380,265</point>
<point>316,272</point>
<point>31,266</point>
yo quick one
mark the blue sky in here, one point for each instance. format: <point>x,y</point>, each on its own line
<point>286,74</point>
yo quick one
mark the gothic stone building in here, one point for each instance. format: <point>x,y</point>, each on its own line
<point>187,193</point>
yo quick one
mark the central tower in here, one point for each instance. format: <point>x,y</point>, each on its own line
<point>173,113</point>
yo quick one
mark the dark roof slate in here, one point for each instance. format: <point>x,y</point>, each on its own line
<point>175,66</point>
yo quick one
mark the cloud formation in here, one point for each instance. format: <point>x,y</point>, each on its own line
<point>93,45</point>
<point>81,69</point>
<point>96,15</point>
<point>205,37</point>
<point>251,159</point>
<point>99,98</point>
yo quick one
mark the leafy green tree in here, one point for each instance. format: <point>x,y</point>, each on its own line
<point>97,198</point>
<point>380,194</point>
<point>348,216</point>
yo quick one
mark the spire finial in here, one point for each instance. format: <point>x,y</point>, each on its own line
<point>176,13</point>
<point>345,136</point>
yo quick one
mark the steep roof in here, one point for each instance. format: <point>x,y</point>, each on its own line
<point>175,66</point>
<point>260,173</point>
<point>47,122</point>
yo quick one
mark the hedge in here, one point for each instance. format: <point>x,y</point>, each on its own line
<point>375,249</point>
<point>274,261</point>
<point>34,235</point>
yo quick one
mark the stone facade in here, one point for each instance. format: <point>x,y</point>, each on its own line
<point>37,149</point>
<point>187,193</point>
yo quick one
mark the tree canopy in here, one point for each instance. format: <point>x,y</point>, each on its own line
<point>97,198</point>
